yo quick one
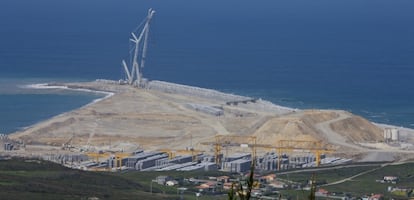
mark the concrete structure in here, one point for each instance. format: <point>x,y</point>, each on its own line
<point>237,156</point>
<point>4,137</point>
<point>193,91</point>
<point>391,135</point>
<point>395,135</point>
<point>335,161</point>
<point>300,160</point>
<point>181,159</point>
<point>162,163</point>
<point>211,110</point>
<point>8,146</point>
<point>130,162</point>
<point>268,162</point>
<point>66,158</point>
<point>6,143</point>
<point>148,162</point>
<point>240,165</point>
<point>207,158</point>
<point>205,166</point>
<point>176,166</point>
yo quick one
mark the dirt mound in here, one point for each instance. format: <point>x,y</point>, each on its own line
<point>358,129</point>
<point>318,116</point>
<point>299,126</point>
<point>344,128</point>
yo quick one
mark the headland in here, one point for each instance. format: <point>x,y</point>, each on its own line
<point>171,116</point>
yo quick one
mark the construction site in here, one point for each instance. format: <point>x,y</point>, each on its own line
<point>235,154</point>
<point>155,125</point>
<point>166,126</point>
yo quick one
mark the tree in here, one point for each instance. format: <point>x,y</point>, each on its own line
<point>313,188</point>
<point>243,194</point>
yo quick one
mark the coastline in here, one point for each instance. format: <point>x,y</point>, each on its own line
<point>108,94</point>
<point>176,117</point>
<point>120,103</point>
<point>60,86</point>
<point>49,86</point>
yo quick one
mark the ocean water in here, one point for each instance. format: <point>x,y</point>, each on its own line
<point>353,55</point>
<point>21,107</point>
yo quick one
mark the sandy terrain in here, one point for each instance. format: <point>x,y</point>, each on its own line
<point>153,119</point>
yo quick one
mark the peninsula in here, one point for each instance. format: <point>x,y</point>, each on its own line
<point>167,115</point>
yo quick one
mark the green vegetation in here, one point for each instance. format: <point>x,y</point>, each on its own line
<point>45,180</point>
<point>367,184</point>
<point>359,186</point>
<point>325,176</point>
<point>20,179</point>
<point>243,193</point>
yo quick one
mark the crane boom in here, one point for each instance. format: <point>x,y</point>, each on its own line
<point>126,70</point>
<point>314,146</point>
<point>135,75</point>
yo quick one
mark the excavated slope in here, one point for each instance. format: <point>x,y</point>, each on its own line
<point>156,120</point>
<point>303,126</point>
<point>298,126</point>
<point>358,129</point>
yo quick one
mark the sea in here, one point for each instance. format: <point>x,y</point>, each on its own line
<point>356,55</point>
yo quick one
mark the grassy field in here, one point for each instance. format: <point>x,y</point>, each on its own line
<point>20,179</point>
<point>366,184</point>
<point>327,176</point>
<point>359,186</point>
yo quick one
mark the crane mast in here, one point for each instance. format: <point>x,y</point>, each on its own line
<point>134,76</point>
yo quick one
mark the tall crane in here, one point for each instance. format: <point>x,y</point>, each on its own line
<point>117,157</point>
<point>174,152</point>
<point>134,76</point>
<point>313,146</point>
<point>221,141</point>
<point>97,156</point>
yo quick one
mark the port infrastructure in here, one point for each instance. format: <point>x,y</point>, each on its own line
<point>309,146</point>
<point>281,146</point>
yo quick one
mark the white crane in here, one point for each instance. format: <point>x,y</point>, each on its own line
<point>134,76</point>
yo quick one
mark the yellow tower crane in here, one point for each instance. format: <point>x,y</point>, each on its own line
<point>174,152</point>
<point>232,141</point>
<point>313,146</point>
<point>118,158</point>
<point>97,156</point>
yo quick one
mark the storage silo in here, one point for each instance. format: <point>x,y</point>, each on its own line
<point>395,134</point>
<point>387,134</point>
